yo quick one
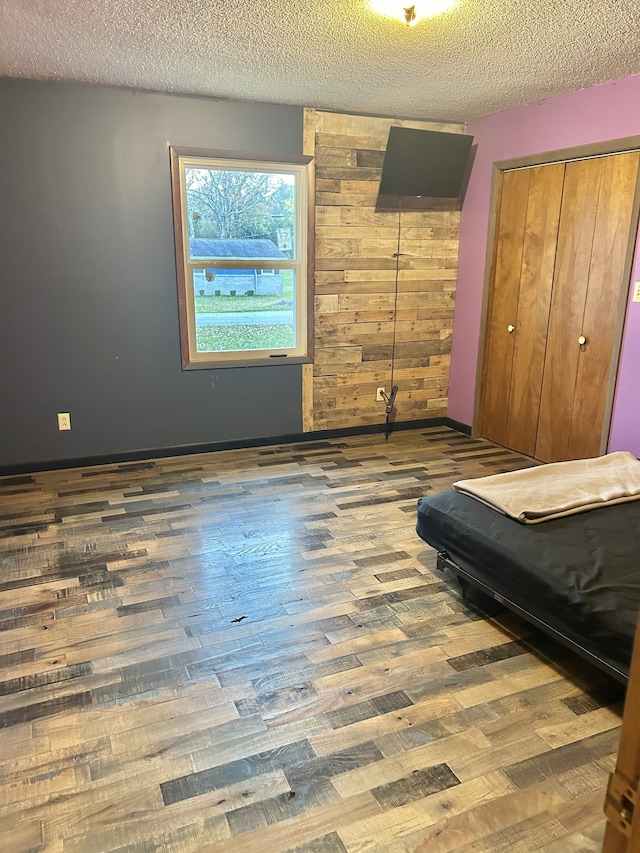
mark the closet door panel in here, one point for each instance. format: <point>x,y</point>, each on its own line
<point>605,290</point>
<point>503,305</point>
<point>571,276</point>
<point>536,278</point>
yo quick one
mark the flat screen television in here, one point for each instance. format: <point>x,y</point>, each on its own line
<point>427,164</point>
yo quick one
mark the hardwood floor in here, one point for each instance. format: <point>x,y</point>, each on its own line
<point>252,651</point>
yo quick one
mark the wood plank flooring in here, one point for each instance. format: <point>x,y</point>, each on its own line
<point>252,650</point>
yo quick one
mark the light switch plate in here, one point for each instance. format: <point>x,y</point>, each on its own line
<point>636,292</point>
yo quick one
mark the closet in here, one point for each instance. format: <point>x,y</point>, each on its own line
<point>563,236</point>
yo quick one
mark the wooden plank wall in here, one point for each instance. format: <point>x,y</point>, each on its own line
<point>355,272</point>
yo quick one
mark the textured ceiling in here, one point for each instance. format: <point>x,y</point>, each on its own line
<point>482,56</point>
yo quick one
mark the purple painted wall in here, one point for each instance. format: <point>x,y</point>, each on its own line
<point>608,111</point>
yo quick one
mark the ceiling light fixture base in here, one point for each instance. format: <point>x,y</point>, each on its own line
<point>411,13</point>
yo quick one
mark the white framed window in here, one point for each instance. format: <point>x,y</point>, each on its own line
<point>241,232</point>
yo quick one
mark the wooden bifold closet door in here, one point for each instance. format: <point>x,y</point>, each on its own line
<point>561,243</point>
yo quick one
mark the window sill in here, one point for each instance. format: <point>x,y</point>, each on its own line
<point>248,362</point>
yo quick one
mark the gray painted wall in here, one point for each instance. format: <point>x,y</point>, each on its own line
<point>88,299</point>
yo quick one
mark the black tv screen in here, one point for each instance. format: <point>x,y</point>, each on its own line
<point>425,163</point>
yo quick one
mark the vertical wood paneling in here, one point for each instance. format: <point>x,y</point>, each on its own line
<point>606,288</point>
<point>355,272</point>
<point>627,766</point>
<point>536,278</point>
<point>560,272</point>
<point>503,307</point>
<point>573,258</point>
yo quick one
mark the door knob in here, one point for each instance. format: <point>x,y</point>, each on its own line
<point>510,328</point>
<point>582,340</point>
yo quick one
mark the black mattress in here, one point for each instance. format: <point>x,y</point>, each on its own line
<point>580,575</point>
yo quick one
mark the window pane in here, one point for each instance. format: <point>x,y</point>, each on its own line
<point>244,309</point>
<point>242,251</point>
<point>239,214</point>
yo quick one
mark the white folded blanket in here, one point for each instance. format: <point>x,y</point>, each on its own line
<point>550,491</point>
